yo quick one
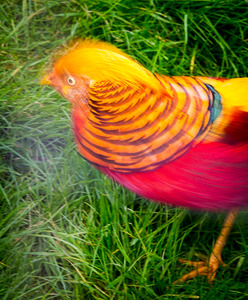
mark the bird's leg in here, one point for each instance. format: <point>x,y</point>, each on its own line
<point>210,267</point>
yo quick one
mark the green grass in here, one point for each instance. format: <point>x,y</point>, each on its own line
<point>67,232</point>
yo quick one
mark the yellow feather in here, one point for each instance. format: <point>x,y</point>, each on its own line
<point>234,98</point>
<point>233,91</point>
<point>101,61</point>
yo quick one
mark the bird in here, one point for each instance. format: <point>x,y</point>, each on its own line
<point>179,140</point>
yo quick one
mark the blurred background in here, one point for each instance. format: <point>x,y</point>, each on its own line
<point>67,231</point>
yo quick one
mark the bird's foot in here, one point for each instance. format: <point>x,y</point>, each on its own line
<point>207,268</point>
<point>210,266</point>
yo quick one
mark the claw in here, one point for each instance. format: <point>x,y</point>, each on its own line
<point>209,267</point>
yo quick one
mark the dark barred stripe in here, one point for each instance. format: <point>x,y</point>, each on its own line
<point>99,104</point>
<point>158,164</point>
<point>104,158</point>
<point>123,100</point>
<point>147,126</point>
<point>202,128</point>
<point>130,108</point>
<point>111,88</point>
<point>102,126</point>
<point>164,146</point>
<point>107,95</point>
<point>175,98</point>
<point>130,141</point>
<point>197,98</point>
<point>102,84</point>
<point>108,139</point>
<point>187,101</point>
<point>109,151</point>
<point>167,110</point>
<point>176,155</point>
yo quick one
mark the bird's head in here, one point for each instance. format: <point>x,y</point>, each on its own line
<point>89,62</point>
<point>71,86</point>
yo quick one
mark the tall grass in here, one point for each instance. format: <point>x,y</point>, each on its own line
<point>68,232</point>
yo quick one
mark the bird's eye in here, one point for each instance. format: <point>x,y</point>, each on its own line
<point>71,80</point>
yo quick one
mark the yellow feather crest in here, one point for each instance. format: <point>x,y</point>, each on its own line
<point>101,61</point>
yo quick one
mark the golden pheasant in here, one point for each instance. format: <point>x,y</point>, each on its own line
<point>179,140</point>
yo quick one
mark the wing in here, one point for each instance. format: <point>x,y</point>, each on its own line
<point>137,130</point>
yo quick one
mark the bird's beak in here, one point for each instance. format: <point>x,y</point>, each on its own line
<point>46,80</point>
